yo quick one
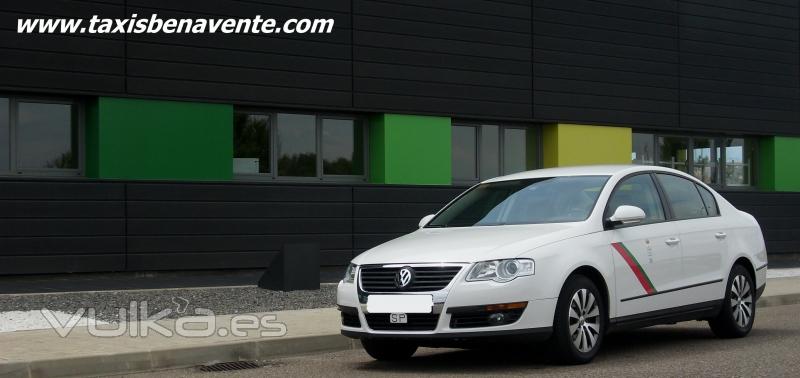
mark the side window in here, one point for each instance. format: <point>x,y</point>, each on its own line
<point>709,201</point>
<point>683,197</point>
<point>639,191</point>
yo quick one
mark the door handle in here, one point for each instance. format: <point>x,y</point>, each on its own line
<point>672,241</point>
<point>720,235</point>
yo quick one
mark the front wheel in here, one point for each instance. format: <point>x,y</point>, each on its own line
<point>579,323</point>
<point>738,311</point>
<point>388,350</point>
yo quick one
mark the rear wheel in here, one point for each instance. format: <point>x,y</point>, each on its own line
<point>579,323</point>
<point>738,311</point>
<point>388,350</point>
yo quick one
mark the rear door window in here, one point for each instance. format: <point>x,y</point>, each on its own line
<point>683,197</point>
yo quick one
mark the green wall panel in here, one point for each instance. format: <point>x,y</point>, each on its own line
<point>779,161</point>
<point>147,139</point>
<point>410,149</point>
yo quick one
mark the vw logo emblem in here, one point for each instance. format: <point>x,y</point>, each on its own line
<point>404,277</point>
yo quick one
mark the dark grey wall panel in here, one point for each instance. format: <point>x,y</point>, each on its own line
<point>56,227</point>
<point>57,62</point>
<point>465,58</point>
<point>206,226</point>
<point>383,213</point>
<point>739,66</point>
<point>699,65</point>
<point>308,70</point>
<point>608,62</point>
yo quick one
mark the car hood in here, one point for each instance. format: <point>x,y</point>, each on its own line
<point>467,244</point>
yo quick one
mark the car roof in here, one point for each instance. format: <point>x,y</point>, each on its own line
<point>583,170</point>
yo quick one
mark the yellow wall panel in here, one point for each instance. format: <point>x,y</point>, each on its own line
<point>569,144</point>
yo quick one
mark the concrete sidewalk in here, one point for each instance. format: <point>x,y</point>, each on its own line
<point>44,353</point>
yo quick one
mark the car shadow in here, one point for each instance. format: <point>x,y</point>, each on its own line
<point>617,346</point>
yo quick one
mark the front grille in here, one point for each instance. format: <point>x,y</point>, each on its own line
<point>350,317</point>
<point>476,319</point>
<point>426,278</point>
<point>416,322</point>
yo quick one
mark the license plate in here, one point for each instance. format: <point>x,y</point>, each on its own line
<point>398,318</point>
<point>400,304</point>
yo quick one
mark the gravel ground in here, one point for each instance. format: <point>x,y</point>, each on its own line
<point>182,302</point>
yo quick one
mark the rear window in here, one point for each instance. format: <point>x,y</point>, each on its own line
<point>709,201</point>
<point>683,197</point>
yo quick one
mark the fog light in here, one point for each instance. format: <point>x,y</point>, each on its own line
<point>497,318</point>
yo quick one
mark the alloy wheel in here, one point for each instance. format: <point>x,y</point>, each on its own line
<point>584,320</point>
<point>741,301</point>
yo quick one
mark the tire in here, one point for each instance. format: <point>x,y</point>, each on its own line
<point>738,311</point>
<point>388,350</point>
<point>579,322</point>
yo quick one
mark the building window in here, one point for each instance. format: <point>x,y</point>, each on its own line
<point>341,154</point>
<point>738,161</point>
<point>481,152</point>
<point>294,146</point>
<point>465,153</point>
<point>717,161</point>
<point>39,136</point>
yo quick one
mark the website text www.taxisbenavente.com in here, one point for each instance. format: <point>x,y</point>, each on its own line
<point>153,24</point>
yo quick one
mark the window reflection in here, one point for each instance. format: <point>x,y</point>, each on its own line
<point>46,136</point>
<point>465,152</point>
<point>251,144</point>
<point>718,161</point>
<point>490,151</point>
<point>674,153</point>
<point>297,145</point>
<point>481,152</point>
<point>739,161</point>
<point>643,150</point>
<point>705,155</point>
<point>515,157</point>
<point>341,147</point>
<point>5,145</point>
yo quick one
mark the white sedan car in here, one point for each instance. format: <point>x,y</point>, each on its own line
<point>564,255</point>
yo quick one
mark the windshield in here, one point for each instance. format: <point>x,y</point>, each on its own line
<point>539,200</point>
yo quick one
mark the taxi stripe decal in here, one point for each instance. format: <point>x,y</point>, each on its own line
<point>635,267</point>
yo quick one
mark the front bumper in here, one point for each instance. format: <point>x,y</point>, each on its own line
<point>534,323</point>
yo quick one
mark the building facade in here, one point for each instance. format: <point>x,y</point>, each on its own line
<point>168,151</point>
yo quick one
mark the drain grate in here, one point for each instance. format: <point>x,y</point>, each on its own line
<point>230,366</point>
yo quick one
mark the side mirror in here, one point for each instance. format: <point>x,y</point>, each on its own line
<point>626,215</point>
<point>425,220</point>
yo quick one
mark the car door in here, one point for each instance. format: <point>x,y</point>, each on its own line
<point>646,255</point>
<point>703,236</point>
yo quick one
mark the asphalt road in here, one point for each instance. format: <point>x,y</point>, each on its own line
<point>685,349</point>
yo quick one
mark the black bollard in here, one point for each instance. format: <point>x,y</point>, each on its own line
<point>296,267</point>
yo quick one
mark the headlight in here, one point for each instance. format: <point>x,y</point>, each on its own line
<point>350,274</point>
<point>501,270</point>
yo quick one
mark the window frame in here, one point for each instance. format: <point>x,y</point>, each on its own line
<point>718,141</point>
<point>272,130</point>
<point>78,107</point>
<point>501,127</point>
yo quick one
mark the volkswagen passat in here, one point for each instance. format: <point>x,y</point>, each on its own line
<point>564,255</point>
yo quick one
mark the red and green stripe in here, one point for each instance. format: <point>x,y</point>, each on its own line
<point>635,267</point>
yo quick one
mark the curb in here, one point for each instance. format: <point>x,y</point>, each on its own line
<point>209,354</point>
<point>779,300</point>
<point>137,362</point>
